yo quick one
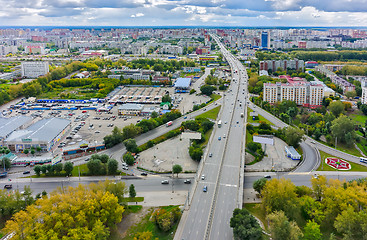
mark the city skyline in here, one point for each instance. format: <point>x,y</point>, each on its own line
<point>265,13</point>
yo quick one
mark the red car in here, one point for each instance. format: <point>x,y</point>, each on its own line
<point>84,111</point>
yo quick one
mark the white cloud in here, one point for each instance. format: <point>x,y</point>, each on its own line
<point>137,15</point>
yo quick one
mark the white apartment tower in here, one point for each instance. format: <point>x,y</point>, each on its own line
<point>303,93</point>
<point>34,69</point>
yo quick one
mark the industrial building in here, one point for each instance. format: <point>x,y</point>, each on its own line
<point>182,84</point>
<point>9,125</point>
<point>130,109</point>
<point>34,69</point>
<point>45,134</point>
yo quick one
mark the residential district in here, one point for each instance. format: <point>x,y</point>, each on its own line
<point>183,133</point>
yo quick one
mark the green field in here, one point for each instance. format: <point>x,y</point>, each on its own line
<point>358,118</point>
<point>211,114</point>
<point>256,210</point>
<point>215,97</point>
<point>324,167</point>
<point>261,118</point>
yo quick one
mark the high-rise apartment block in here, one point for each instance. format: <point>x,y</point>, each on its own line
<point>302,93</point>
<point>34,69</point>
<point>273,65</point>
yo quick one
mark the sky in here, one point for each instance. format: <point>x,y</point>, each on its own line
<point>244,13</point>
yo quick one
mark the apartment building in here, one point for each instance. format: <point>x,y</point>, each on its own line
<point>364,92</point>
<point>34,69</point>
<point>273,65</point>
<point>302,93</point>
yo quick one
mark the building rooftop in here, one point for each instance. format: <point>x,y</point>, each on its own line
<point>8,125</point>
<point>44,130</point>
<point>183,83</point>
<point>131,106</point>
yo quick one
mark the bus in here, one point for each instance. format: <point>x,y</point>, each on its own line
<point>219,123</point>
<point>363,160</point>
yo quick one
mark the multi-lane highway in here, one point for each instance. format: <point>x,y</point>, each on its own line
<point>210,211</point>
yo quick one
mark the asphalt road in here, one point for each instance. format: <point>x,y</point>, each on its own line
<point>143,184</point>
<point>209,212</point>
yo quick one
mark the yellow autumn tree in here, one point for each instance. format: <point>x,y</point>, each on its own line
<point>72,213</point>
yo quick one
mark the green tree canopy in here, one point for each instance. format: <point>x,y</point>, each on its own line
<point>343,129</point>
<point>245,226</point>
<point>176,169</point>
<point>336,107</point>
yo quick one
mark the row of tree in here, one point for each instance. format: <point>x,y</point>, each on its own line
<point>145,125</point>
<point>332,206</point>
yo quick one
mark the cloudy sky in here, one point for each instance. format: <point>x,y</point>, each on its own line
<point>183,13</point>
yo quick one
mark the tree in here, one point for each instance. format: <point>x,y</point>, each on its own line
<point>64,221</point>
<point>166,98</point>
<point>132,192</point>
<point>68,168</point>
<point>112,166</point>
<point>352,224</point>
<point>131,145</point>
<point>245,226</point>
<point>207,89</point>
<point>351,94</point>
<point>336,107</point>
<point>37,170</point>
<point>195,153</point>
<point>5,161</point>
<point>154,114</point>
<point>94,166</point>
<point>280,195</point>
<point>281,228</point>
<point>58,167</point>
<point>176,169</point>
<point>259,184</point>
<point>33,151</point>
<point>293,136</point>
<point>312,231</point>
<point>26,151</point>
<point>44,169</point>
<point>143,236</point>
<point>342,126</point>
<point>129,159</point>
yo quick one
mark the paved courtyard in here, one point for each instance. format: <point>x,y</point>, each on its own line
<point>276,158</point>
<point>161,157</point>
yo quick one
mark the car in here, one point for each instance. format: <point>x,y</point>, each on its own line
<point>144,174</point>
<point>203,177</point>
<point>210,154</point>
<point>187,181</point>
<point>219,138</point>
<point>313,142</point>
<point>237,122</point>
<point>185,117</point>
<point>97,131</point>
<point>69,137</point>
<point>26,172</point>
<point>224,135</point>
<point>87,159</point>
<point>267,176</point>
<point>8,186</point>
<point>225,122</point>
<point>205,188</point>
<point>165,182</point>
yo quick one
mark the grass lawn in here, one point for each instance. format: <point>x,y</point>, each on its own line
<point>207,136</point>
<point>261,118</point>
<point>146,225</point>
<point>215,97</point>
<point>83,169</point>
<point>134,208</point>
<point>255,209</point>
<point>211,114</point>
<point>355,166</point>
<point>136,199</point>
<point>359,118</point>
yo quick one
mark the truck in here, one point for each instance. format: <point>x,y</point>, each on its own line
<point>219,123</point>
<point>169,123</point>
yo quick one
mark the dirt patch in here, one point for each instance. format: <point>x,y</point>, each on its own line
<point>128,221</point>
